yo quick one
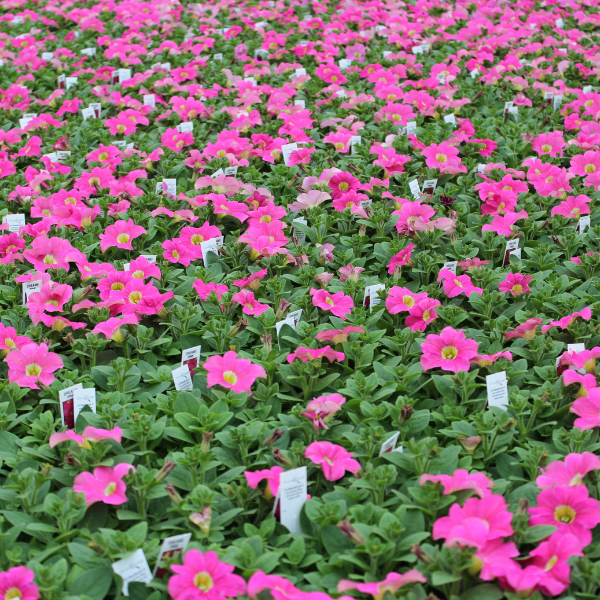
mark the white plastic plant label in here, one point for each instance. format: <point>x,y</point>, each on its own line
<point>293,488</point>
<point>83,397</point>
<point>497,390</point>
<point>286,151</point>
<point>14,222</point>
<point>371,296</point>
<point>133,568</point>
<point>414,188</point>
<point>65,399</point>
<point>213,246</point>
<point>182,378</point>
<point>389,445</point>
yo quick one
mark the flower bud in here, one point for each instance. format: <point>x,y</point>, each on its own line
<point>202,520</point>
<point>280,458</point>
<point>273,437</point>
<point>173,493</point>
<point>207,437</point>
<point>282,308</point>
<point>323,279</point>
<point>350,532</point>
<point>167,467</point>
<point>406,413</point>
<point>470,444</point>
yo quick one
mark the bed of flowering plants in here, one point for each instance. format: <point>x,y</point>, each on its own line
<point>299,300</point>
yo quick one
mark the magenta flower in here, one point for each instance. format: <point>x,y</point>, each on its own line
<point>571,471</point>
<point>402,300</point>
<point>454,285</point>
<point>400,259</point>
<point>516,284</point>
<point>495,558</point>
<point>250,306</point>
<point>504,224</point>
<point>204,577</point>
<point>486,360</point>
<point>552,558</point>
<point>422,313</point>
<point>90,434</point>
<point>206,289</point>
<point>573,207</point>
<point>587,408</point>
<point>32,364</point>
<point>253,281</point>
<point>306,354</point>
<point>51,253</point>
<point>391,584</point>
<point>349,272</point>
<point>17,584</point>
<point>451,351</point>
<point>120,235</point>
<point>339,304</point>
<point>233,373</point>
<point>337,336</point>
<point>549,143</point>
<point>272,476</point>
<point>526,330</point>
<point>565,322</point>
<point>476,522</point>
<point>104,485</point>
<point>111,328</point>
<point>461,479</point>
<point>9,340</point>
<point>334,460</point>
<point>570,509</point>
<point>321,409</point>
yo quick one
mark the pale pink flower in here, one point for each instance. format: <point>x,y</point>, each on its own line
<point>334,460</point>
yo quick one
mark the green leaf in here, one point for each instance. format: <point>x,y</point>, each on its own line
<point>486,591</point>
<point>95,583</point>
<point>536,533</point>
<point>441,578</point>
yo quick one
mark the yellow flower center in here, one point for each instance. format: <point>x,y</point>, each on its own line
<point>138,274</point>
<point>10,343</point>
<point>197,239</point>
<point>33,369</point>
<point>49,259</point>
<point>135,297</point>
<point>111,488</point>
<point>230,377</point>
<point>103,156</point>
<point>590,169</point>
<point>117,286</point>
<point>458,283</point>
<point>517,288</point>
<point>339,146</point>
<point>53,302</point>
<point>408,301</point>
<point>576,210</point>
<point>94,181</point>
<point>551,563</point>
<point>343,186</point>
<point>47,213</point>
<point>175,254</point>
<point>546,148</point>
<point>564,514</point>
<point>329,301</point>
<point>13,593</point>
<point>426,316</point>
<point>122,238</point>
<point>449,353</point>
<point>203,581</point>
<point>121,128</point>
<point>441,157</point>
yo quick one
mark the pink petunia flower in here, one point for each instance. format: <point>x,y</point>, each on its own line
<point>90,434</point>
<point>321,409</point>
<point>454,285</point>
<point>120,234</point>
<point>565,322</point>
<point>587,408</point>
<point>526,330</point>
<point>400,259</point>
<point>32,364</point>
<point>308,354</point>
<point>573,207</point>
<point>461,479</point>
<point>402,300</point>
<point>17,583</point>
<point>516,284</point>
<point>570,509</point>
<point>250,306</point>
<point>451,351</point>
<point>422,314</point>
<point>334,460</point>
<point>339,304</point>
<point>104,485</point>
<point>337,336</point>
<point>391,584</point>
<point>233,373</point>
<point>204,577</point>
<point>111,328</point>
<point>272,476</point>
<point>571,471</point>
